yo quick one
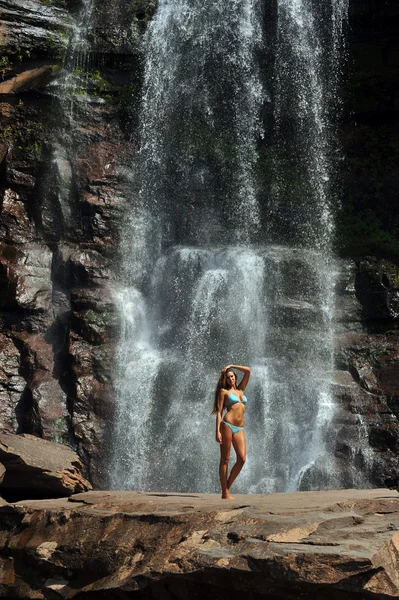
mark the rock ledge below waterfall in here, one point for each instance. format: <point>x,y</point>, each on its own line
<point>331,545</point>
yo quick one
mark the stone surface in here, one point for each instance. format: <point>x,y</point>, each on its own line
<point>38,468</point>
<point>34,25</point>
<point>377,290</point>
<point>33,79</point>
<point>12,384</point>
<point>25,277</point>
<point>337,545</point>
<point>365,385</point>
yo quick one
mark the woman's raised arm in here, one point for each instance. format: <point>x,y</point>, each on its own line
<point>247,373</point>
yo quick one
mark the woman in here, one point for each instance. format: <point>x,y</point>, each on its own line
<point>230,429</point>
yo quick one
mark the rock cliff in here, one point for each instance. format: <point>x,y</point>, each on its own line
<point>63,150</point>
<point>65,154</point>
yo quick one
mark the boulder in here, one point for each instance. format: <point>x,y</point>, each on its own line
<point>37,468</point>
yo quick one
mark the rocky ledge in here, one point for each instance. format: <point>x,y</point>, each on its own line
<point>120,545</point>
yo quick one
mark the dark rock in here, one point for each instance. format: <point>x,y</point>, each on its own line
<point>366,440</point>
<point>33,27</point>
<point>38,468</point>
<point>25,274</point>
<point>43,407</point>
<point>15,226</point>
<point>392,482</point>
<point>49,414</point>
<point>89,267</point>
<point>363,373</point>
<point>369,132</point>
<point>93,406</point>
<point>376,290</point>
<point>12,384</point>
<point>61,201</point>
<point>348,310</point>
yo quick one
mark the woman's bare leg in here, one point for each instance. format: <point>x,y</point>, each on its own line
<point>225,448</point>
<point>240,447</point>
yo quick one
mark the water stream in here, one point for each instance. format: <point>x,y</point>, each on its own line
<point>218,269</point>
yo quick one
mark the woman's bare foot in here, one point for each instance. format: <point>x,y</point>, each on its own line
<point>227,496</point>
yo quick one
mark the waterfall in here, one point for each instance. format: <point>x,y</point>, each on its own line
<point>74,79</point>
<point>217,269</point>
<point>309,37</point>
<point>70,90</point>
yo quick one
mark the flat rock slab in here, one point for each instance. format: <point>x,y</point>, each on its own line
<point>39,468</point>
<point>119,545</point>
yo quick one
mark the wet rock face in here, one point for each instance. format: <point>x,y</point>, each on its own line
<point>34,26</point>
<point>62,195</point>
<point>12,384</point>
<point>366,383</point>
<point>377,289</point>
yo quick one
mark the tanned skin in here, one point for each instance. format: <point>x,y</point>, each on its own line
<point>224,435</point>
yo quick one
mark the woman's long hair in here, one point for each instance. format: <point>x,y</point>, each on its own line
<point>219,386</point>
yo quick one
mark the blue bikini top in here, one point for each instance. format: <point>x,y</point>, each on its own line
<point>233,399</point>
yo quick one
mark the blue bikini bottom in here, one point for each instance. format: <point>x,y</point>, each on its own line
<point>233,428</point>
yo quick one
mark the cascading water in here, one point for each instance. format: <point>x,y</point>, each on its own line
<point>70,89</point>
<point>75,76</point>
<point>306,77</point>
<point>201,284</point>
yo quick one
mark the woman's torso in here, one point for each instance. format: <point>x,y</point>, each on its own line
<point>234,403</point>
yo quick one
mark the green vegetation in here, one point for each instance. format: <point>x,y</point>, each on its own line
<point>57,46</point>
<point>60,431</point>
<point>23,54</point>
<point>99,82</point>
<point>4,66</point>
<point>7,133</point>
<point>92,83</point>
<point>364,234</point>
<point>26,139</point>
<point>368,222</point>
<point>125,94</point>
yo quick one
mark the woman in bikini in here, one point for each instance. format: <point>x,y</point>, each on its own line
<point>230,428</point>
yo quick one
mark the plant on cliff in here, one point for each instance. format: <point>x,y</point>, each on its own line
<point>4,66</point>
